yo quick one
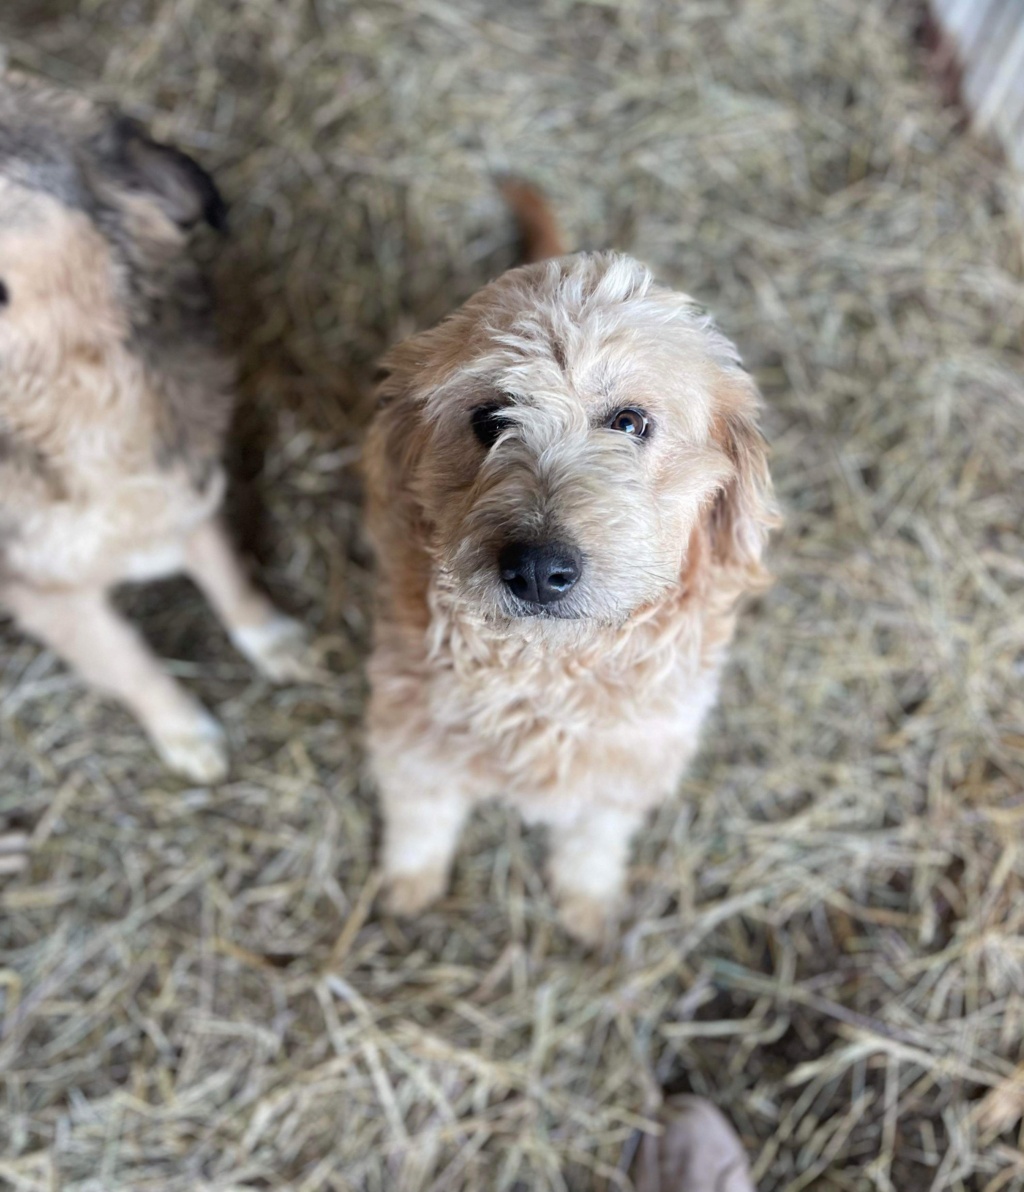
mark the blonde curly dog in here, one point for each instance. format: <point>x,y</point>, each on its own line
<point>568,494</point>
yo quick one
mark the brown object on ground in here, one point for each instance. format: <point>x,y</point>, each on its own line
<point>698,1151</point>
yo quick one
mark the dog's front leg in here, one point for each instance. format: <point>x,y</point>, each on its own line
<point>587,867</point>
<point>424,806</point>
<point>274,643</point>
<point>91,636</point>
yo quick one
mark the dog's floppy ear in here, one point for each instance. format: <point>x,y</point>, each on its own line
<point>394,516</point>
<point>130,160</point>
<point>744,510</point>
<point>393,445</point>
<point>395,434</point>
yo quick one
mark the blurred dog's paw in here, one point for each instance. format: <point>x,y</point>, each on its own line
<point>279,649</point>
<point>198,752</point>
<point>590,921</point>
<point>406,894</point>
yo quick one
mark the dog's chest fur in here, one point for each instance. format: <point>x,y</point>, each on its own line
<point>88,490</point>
<point>609,717</point>
<point>135,530</point>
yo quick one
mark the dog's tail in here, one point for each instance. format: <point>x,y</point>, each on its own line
<point>540,236</point>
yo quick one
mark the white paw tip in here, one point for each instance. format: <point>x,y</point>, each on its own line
<point>409,893</point>
<point>591,921</point>
<point>199,755</point>
<point>279,649</point>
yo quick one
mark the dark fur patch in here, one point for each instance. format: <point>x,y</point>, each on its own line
<point>179,185</point>
<point>35,157</point>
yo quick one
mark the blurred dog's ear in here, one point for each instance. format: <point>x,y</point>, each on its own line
<point>744,511</point>
<point>131,160</point>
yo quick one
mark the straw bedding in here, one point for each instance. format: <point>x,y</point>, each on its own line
<point>826,933</point>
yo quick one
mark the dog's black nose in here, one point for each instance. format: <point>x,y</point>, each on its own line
<point>540,573</point>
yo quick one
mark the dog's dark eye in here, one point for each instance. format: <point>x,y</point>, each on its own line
<point>630,422</point>
<point>487,423</point>
<point>5,294</point>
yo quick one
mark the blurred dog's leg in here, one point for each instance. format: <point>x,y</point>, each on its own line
<point>588,864</point>
<point>424,810</point>
<point>91,636</point>
<point>275,644</point>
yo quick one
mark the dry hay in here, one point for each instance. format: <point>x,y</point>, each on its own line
<point>826,932</point>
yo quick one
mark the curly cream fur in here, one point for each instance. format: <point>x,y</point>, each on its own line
<point>586,716</point>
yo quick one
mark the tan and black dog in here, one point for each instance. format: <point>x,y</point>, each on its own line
<point>115,398</point>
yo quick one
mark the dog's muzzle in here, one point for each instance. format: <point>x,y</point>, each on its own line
<point>539,573</point>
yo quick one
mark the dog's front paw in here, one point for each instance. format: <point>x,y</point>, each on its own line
<point>406,894</point>
<point>14,853</point>
<point>197,752</point>
<point>279,649</point>
<point>589,920</point>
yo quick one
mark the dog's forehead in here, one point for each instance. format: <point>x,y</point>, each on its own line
<point>41,131</point>
<point>19,207</point>
<point>549,339</point>
<point>26,211</point>
<point>55,261</point>
<point>30,217</point>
